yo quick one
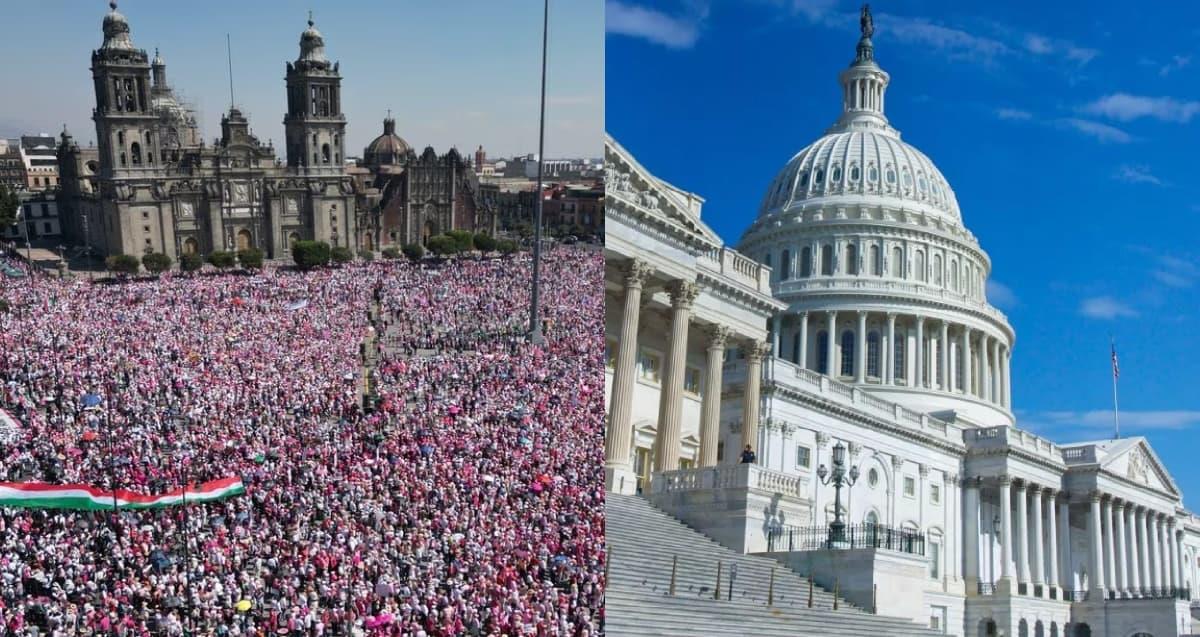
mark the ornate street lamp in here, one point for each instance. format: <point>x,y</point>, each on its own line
<point>839,476</point>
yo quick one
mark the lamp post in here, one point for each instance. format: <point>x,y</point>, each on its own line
<point>839,476</point>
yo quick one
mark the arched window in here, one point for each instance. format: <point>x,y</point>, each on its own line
<point>806,262</point>
<point>314,139</point>
<point>315,162</point>
<point>121,138</point>
<point>325,153</point>
<point>876,261</point>
<point>335,141</point>
<point>937,269</point>
<point>785,265</point>
<point>851,259</point>
<point>954,275</point>
<point>796,351</point>
<point>135,153</point>
<point>827,260</point>
<point>823,352</point>
<point>873,355</point>
<point>872,518</point>
<point>899,364</point>
<point>818,177</point>
<point>122,159</point>
<point>847,353</point>
<point>919,265</point>
<point>898,262</point>
<point>891,176</point>
<point>804,179</point>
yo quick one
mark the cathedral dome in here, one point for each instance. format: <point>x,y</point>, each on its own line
<point>116,30</point>
<point>388,148</point>
<point>312,45</point>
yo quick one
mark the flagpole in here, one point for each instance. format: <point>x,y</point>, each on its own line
<point>1116,410</point>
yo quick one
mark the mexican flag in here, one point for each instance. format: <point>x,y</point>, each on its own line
<point>81,497</point>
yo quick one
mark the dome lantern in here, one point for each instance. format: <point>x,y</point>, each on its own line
<point>863,84</point>
<point>116,30</point>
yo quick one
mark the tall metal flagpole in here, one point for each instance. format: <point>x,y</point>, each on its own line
<point>535,326</point>
<point>1116,372</point>
<point>229,58</point>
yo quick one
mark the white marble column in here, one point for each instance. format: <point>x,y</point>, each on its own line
<point>754,357</point>
<point>918,379</point>
<point>833,363</point>
<point>1039,564</point>
<point>971,533</point>
<point>985,381</point>
<point>1174,553</point>
<point>1133,523</point>
<point>802,360</point>
<point>1143,529</point>
<point>1096,545</point>
<point>1007,358</point>
<point>995,385</point>
<point>953,511</point>
<point>1052,536</point>
<point>1160,553</point>
<point>1022,533</point>
<point>888,355</point>
<point>1110,558</point>
<point>1119,509</point>
<point>1064,541</point>
<point>860,356</point>
<point>1005,485</point>
<point>944,358</point>
<point>670,405</point>
<point>618,438</point>
<point>710,408</point>
<point>965,358</point>
<point>1152,550</point>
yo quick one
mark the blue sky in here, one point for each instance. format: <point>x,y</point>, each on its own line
<point>454,73</point>
<point>1068,131</point>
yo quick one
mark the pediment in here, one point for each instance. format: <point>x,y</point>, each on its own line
<point>629,182</point>
<point>1134,460</point>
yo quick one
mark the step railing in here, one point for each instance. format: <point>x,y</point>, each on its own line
<point>856,536</point>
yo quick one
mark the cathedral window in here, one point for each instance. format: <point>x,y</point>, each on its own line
<point>315,162</point>
<point>851,259</point>
<point>122,159</point>
<point>806,262</point>
<point>873,354</point>
<point>785,265</point>
<point>135,153</point>
<point>827,260</point>
<point>121,138</point>
<point>847,353</point>
<point>823,352</point>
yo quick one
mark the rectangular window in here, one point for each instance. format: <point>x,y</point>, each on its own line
<point>610,353</point>
<point>899,349</point>
<point>46,227</point>
<point>935,494</point>
<point>46,206</point>
<point>803,457</point>
<point>145,228</point>
<point>935,555</point>
<point>691,380</point>
<point>910,486</point>
<point>650,366</point>
<point>720,451</point>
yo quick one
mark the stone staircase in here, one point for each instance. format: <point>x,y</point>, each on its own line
<point>643,543</point>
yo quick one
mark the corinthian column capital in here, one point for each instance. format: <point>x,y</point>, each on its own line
<point>636,272</point>
<point>683,294</point>
<point>718,336</point>
<point>757,350</point>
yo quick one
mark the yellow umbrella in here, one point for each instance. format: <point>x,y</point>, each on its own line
<point>244,605</point>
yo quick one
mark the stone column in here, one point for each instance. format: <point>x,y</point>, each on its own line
<point>1006,574</point>
<point>777,333</point>
<point>860,356</point>
<point>1064,540</point>
<point>803,353</point>
<point>1051,537</point>
<point>1152,550</point>
<point>965,357</point>
<point>888,355</point>
<point>1160,553</point>
<point>1143,531</point>
<point>944,357</point>
<point>985,370</point>
<point>754,356</point>
<point>919,377</point>
<point>952,510</point>
<point>1007,358</point>
<point>833,365</point>
<point>1122,557</point>
<point>1022,533</point>
<point>995,385</point>
<point>971,533</point>
<point>1039,565</point>
<point>710,408</point>
<point>897,486</point>
<point>670,405</point>
<point>1096,545</point>
<point>1132,522</point>
<point>1174,553</point>
<point>1110,559</point>
<point>618,438</point>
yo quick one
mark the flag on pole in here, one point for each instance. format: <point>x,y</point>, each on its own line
<point>1116,367</point>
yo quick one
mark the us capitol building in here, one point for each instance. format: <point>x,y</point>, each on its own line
<point>152,185</point>
<point>851,330</point>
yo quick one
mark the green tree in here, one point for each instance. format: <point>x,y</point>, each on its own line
<point>341,254</point>
<point>441,245</point>
<point>506,247</point>
<point>123,264</point>
<point>250,258</point>
<point>484,242</point>
<point>464,241</point>
<point>366,255</point>
<point>391,252</point>
<point>310,254</point>
<point>190,262</point>
<point>156,263</point>
<point>222,259</point>
<point>414,252</point>
<point>9,204</point>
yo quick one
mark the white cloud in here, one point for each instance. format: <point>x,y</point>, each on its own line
<point>1001,295</point>
<point>1097,424</point>
<point>1177,62</point>
<point>1101,132</point>
<point>1125,107</point>
<point>955,42</point>
<point>652,25</point>
<point>1013,114</point>
<point>1139,174</point>
<point>1105,307</point>
<point>1042,45</point>
<point>1176,272</point>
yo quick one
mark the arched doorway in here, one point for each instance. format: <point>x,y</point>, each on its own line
<point>244,242</point>
<point>1039,629</point>
<point>428,231</point>
<point>1082,630</point>
<point>1053,629</point>
<point>190,246</point>
<point>367,243</point>
<point>1023,629</point>
<point>292,239</point>
<point>987,628</point>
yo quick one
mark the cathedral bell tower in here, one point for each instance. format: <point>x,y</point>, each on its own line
<point>314,125</point>
<point>124,114</point>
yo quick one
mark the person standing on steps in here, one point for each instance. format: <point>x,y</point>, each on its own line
<point>748,456</point>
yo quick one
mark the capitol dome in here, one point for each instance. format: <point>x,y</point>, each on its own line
<point>886,287</point>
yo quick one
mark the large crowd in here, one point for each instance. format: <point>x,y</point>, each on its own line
<point>467,499</point>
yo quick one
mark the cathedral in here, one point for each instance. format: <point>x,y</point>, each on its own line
<point>831,400</point>
<point>153,185</point>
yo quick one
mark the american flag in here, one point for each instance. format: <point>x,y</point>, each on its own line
<point>1116,367</point>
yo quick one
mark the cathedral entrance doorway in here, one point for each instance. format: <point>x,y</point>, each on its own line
<point>190,246</point>
<point>244,242</point>
<point>367,244</point>
<point>428,231</point>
